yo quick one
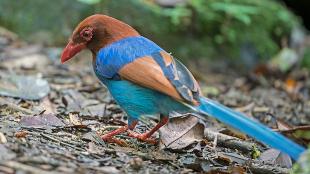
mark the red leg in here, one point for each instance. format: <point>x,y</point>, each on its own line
<point>145,136</point>
<point>109,136</point>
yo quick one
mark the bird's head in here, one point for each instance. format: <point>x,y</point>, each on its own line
<point>94,33</point>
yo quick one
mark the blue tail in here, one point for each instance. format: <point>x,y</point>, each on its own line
<point>248,126</point>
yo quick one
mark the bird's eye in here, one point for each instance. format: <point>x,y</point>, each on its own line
<point>87,34</point>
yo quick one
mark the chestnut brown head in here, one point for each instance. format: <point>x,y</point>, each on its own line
<point>94,33</point>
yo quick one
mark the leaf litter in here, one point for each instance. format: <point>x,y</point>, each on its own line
<point>51,121</point>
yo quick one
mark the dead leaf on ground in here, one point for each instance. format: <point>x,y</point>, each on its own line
<point>181,132</point>
<point>41,120</point>
<point>281,125</point>
<point>47,105</point>
<point>275,157</point>
<point>299,133</point>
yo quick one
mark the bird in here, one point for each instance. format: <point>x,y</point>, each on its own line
<point>146,80</point>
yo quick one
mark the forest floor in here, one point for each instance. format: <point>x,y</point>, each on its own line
<point>51,116</point>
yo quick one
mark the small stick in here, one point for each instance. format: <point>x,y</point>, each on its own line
<point>229,141</point>
<point>306,127</point>
<point>60,142</point>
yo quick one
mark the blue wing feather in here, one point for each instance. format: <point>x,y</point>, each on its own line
<point>113,57</point>
<point>179,76</point>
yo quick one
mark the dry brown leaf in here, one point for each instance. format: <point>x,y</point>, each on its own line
<point>299,133</point>
<point>281,125</point>
<point>181,132</point>
<point>47,105</point>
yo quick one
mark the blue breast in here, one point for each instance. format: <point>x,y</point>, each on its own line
<point>113,57</point>
<point>137,101</point>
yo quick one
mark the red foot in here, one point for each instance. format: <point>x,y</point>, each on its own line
<point>109,136</point>
<point>143,137</point>
<point>114,140</point>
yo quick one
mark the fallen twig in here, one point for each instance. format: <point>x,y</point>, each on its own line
<point>245,108</point>
<point>61,142</point>
<point>306,127</point>
<point>229,141</point>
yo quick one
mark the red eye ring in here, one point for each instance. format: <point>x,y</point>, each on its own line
<point>87,33</point>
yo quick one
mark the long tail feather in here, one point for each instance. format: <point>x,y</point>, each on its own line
<point>249,126</point>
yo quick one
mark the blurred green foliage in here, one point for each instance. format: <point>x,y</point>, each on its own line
<point>302,165</point>
<point>198,28</point>
<point>44,21</point>
<point>209,28</point>
<point>306,60</point>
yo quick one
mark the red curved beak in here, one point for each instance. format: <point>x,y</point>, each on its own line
<point>71,50</point>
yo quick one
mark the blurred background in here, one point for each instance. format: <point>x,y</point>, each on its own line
<point>241,33</point>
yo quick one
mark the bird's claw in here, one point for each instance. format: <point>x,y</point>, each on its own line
<point>114,140</point>
<point>142,137</point>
